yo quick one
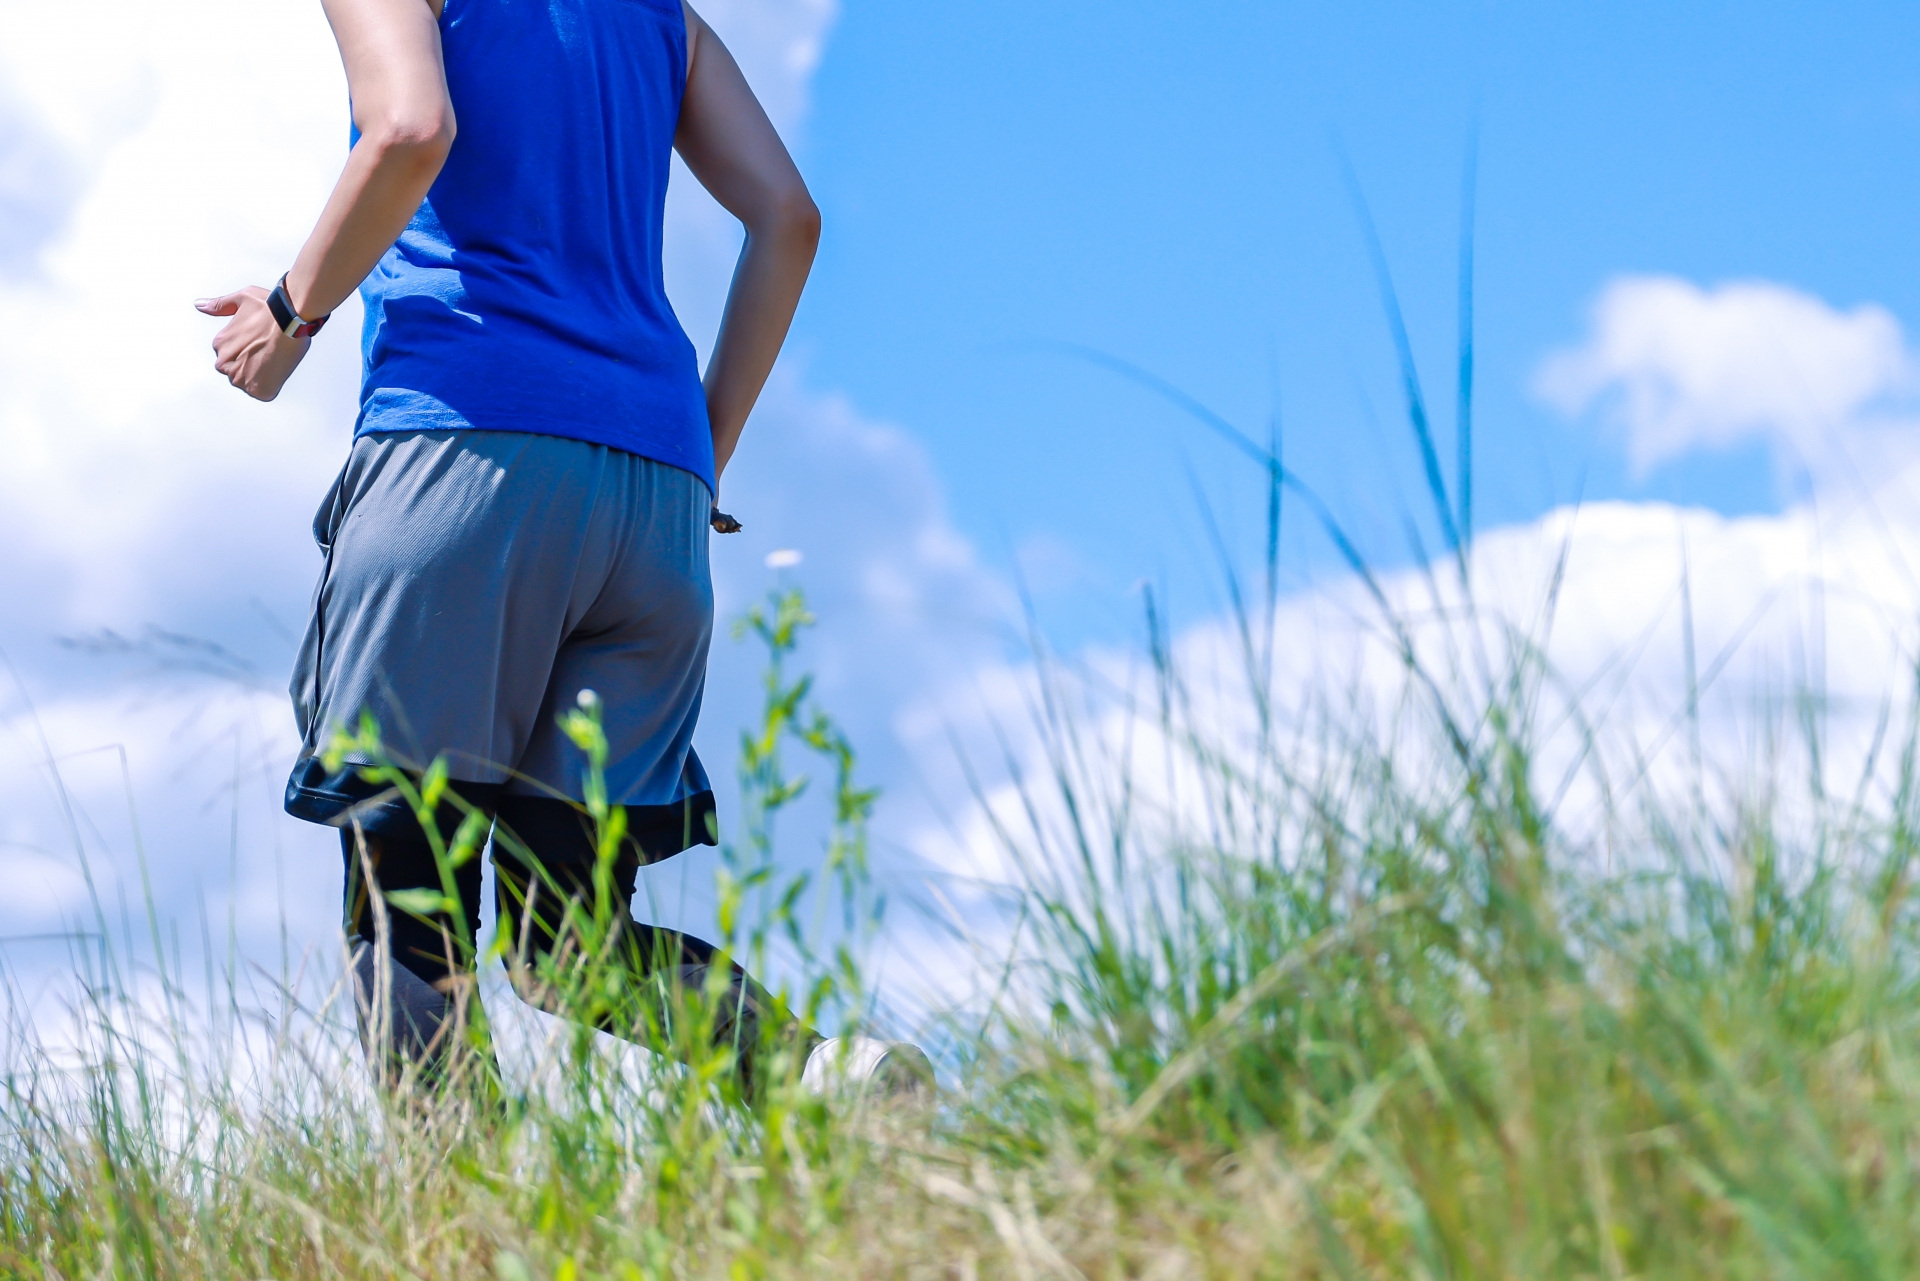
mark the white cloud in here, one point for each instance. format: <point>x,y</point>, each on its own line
<point>1809,614</point>
<point>38,181</point>
<point>1681,368</point>
<point>113,803</point>
<point>1805,624</point>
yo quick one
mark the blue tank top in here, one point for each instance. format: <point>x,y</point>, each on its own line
<point>526,294</point>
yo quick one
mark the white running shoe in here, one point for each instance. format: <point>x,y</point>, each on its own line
<point>864,1067</point>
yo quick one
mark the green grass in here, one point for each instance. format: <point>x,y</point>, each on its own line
<point>1347,1027</point>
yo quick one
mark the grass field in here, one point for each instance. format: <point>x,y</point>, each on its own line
<point>1348,1026</point>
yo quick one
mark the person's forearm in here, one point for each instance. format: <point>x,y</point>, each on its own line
<point>386,177</point>
<point>766,289</point>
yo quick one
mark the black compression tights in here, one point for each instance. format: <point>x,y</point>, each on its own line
<point>436,948</point>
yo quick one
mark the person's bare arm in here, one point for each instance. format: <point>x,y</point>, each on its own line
<point>391,49</point>
<point>732,148</point>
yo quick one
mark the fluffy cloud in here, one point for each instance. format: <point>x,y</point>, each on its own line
<point>1804,627</point>
<point>1682,368</point>
<point>37,186</point>
<point>1804,652</point>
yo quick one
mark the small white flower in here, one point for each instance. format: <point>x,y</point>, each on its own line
<point>785,558</point>
<point>587,699</point>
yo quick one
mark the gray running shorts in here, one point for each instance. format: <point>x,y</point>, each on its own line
<point>475,582</point>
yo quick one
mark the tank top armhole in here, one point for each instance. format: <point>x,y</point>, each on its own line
<point>687,38</point>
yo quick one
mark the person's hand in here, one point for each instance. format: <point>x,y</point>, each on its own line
<point>251,351</point>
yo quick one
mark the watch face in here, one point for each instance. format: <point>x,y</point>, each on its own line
<point>282,308</point>
<point>290,322</point>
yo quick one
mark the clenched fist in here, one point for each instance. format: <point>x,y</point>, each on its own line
<point>251,351</point>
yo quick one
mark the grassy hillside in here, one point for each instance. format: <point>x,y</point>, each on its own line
<point>1346,1026</point>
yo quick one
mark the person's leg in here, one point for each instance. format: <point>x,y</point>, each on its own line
<point>642,648</point>
<point>456,563</point>
<point>413,977</point>
<point>541,911</point>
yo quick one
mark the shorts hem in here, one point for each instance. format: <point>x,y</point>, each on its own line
<point>343,799</point>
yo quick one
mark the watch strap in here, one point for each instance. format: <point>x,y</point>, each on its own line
<point>291,322</point>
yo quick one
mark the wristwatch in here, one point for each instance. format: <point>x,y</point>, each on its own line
<point>291,323</point>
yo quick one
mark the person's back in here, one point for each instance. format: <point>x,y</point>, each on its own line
<point>526,294</point>
<point>521,525</point>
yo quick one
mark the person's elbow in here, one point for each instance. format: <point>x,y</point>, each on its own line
<point>802,218</point>
<point>415,138</point>
<point>791,218</point>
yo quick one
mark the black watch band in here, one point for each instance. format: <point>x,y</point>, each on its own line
<point>291,322</point>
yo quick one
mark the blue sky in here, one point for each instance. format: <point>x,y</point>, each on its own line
<point>1161,182</point>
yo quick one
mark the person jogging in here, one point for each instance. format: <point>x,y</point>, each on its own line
<point>524,514</point>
